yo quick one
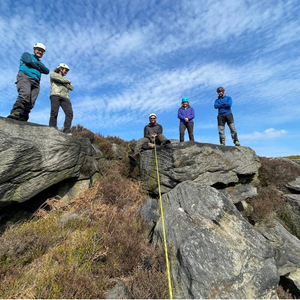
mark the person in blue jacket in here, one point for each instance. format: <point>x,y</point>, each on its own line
<point>186,115</point>
<point>28,82</point>
<point>223,104</point>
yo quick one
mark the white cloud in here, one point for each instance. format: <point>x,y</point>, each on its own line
<point>268,134</point>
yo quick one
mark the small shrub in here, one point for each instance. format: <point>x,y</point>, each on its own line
<point>106,149</point>
<point>277,172</point>
<point>153,270</point>
<point>87,166</point>
<point>268,201</point>
<point>282,294</point>
<point>79,131</point>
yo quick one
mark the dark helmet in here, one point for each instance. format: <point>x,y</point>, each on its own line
<point>220,89</point>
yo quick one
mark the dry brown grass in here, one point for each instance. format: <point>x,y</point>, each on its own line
<point>79,131</point>
<point>277,172</point>
<point>82,249</point>
<point>274,174</point>
<point>282,294</point>
<point>268,201</point>
<point>104,143</point>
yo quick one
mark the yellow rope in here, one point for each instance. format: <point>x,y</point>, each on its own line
<point>163,224</point>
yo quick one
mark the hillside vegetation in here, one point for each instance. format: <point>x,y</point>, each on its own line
<point>82,249</point>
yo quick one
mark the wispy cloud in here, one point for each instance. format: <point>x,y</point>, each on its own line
<point>268,134</point>
<point>127,58</point>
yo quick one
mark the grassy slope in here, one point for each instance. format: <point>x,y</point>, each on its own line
<point>81,250</point>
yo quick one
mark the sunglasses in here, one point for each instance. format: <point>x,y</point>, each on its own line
<point>152,118</point>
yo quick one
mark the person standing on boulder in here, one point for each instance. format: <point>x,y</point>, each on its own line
<point>186,115</point>
<point>223,104</point>
<point>28,82</point>
<point>59,96</point>
<point>152,132</point>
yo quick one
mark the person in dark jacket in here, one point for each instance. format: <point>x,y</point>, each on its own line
<point>28,82</point>
<point>59,96</point>
<point>186,115</point>
<point>152,131</point>
<point>223,104</point>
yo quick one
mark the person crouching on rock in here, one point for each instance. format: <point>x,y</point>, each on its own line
<point>186,115</point>
<point>152,133</point>
<point>59,96</point>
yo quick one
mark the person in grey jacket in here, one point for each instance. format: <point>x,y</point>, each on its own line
<point>59,96</point>
<point>152,131</point>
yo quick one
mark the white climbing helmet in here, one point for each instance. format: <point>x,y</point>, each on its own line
<point>39,45</point>
<point>62,65</point>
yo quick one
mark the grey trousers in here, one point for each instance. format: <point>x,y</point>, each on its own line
<point>56,102</point>
<point>222,120</point>
<point>190,128</point>
<point>159,139</point>
<point>28,90</point>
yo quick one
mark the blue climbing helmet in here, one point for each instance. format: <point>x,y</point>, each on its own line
<point>185,99</point>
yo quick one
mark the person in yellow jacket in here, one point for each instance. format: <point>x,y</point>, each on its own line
<point>59,96</point>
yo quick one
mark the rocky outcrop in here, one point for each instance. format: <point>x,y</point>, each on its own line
<point>150,214</point>
<point>286,246</point>
<point>34,157</point>
<point>117,150</point>
<point>292,208</point>
<point>213,165</point>
<point>294,186</point>
<point>240,192</point>
<point>215,252</point>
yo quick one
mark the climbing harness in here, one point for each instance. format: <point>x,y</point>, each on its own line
<point>163,223</point>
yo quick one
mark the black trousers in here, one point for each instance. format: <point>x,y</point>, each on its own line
<point>28,90</point>
<point>65,104</point>
<point>190,128</point>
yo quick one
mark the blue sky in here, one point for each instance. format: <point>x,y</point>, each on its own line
<point>131,58</point>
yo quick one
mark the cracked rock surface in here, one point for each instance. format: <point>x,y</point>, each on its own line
<point>34,157</point>
<point>214,252</point>
<point>209,164</point>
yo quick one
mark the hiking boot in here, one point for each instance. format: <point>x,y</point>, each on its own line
<point>165,142</point>
<point>237,143</point>
<point>134,156</point>
<point>222,144</point>
<point>12,117</point>
<point>151,145</point>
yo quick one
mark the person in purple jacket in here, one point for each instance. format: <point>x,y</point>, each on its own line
<point>223,104</point>
<point>186,115</point>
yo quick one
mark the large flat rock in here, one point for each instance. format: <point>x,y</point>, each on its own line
<point>209,164</point>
